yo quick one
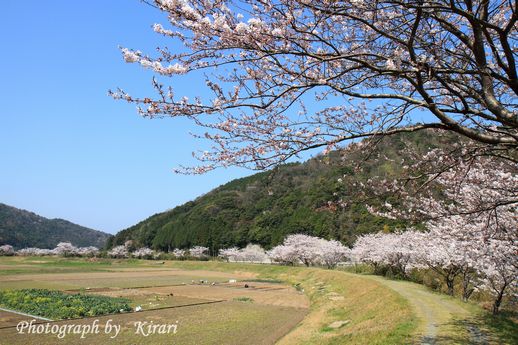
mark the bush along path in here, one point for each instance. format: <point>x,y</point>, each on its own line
<point>443,319</point>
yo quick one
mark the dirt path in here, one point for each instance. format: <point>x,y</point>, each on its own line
<point>443,319</point>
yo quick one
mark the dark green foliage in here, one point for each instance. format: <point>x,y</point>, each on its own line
<point>23,229</point>
<point>58,305</point>
<point>292,198</point>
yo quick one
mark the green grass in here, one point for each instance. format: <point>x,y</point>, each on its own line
<point>243,299</point>
<point>502,325</point>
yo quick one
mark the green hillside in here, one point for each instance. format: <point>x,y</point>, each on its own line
<point>23,229</point>
<point>293,198</point>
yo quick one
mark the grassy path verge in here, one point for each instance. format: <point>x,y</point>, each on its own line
<point>447,320</point>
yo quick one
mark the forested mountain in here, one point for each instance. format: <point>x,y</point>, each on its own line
<point>293,198</point>
<point>23,229</point>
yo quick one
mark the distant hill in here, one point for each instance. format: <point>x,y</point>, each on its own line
<point>293,198</point>
<point>22,229</point>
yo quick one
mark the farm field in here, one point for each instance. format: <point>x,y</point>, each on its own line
<point>206,307</point>
<point>285,305</point>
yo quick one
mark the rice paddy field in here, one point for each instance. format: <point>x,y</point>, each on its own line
<point>225,303</point>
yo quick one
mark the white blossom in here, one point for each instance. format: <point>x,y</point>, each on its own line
<point>6,250</point>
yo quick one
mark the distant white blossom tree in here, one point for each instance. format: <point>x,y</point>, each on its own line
<point>143,253</point>
<point>34,252</point>
<point>90,251</point>
<point>251,253</point>
<point>498,266</point>
<point>450,258</point>
<point>229,254</point>
<point>254,253</point>
<point>282,254</point>
<point>306,248</point>
<point>199,252</point>
<point>179,253</point>
<point>6,250</point>
<point>66,249</point>
<point>332,252</point>
<point>119,252</point>
<point>309,250</point>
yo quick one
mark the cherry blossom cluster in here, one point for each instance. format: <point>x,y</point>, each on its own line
<point>126,251</point>
<point>264,60</point>
<point>6,250</point>
<point>478,264</point>
<point>32,251</point>
<point>394,250</point>
<point>119,252</point>
<point>470,209</point>
<point>90,251</point>
<point>179,253</point>
<point>195,252</point>
<point>62,249</point>
<point>309,250</point>
<point>251,253</point>
<point>463,180</point>
<point>144,253</point>
<point>198,252</point>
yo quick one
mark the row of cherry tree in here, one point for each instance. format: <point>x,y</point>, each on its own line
<point>296,249</point>
<point>125,251</point>
<point>62,249</point>
<point>471,230</point>
<point>310,251</point>
<point>488,265</point>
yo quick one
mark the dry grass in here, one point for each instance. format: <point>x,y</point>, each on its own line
<point>376,315</point>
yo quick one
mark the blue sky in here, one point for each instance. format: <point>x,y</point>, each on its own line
<point>67,149</point>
